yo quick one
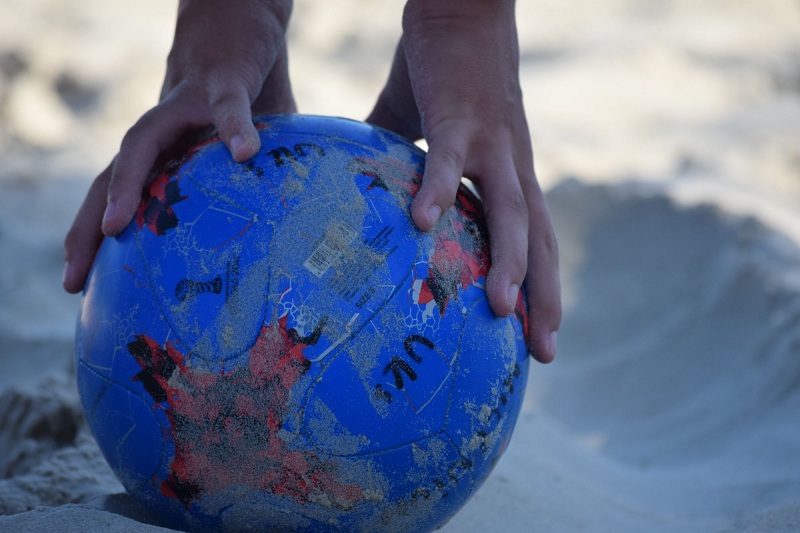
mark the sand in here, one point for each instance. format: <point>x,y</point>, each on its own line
<point>667,135</point>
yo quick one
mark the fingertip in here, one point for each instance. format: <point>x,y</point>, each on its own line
<point>237,146</point>
<point>77,268</point>
<point>444,167</point>
<point>544,349</point>
<point>69,279</point>
<point>425,218</point>
<point>110,224</point>
<point>231,114</point>
<point>512,295</point>
<point>502,293</point>
<point>75,276</point>
<point>245,145</point>
<point>433,213</point>
<point>80,249</point>
<point>551,346</point>
<point>118,215</point>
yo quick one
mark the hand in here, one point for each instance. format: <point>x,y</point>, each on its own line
<point>228,61</point>
<point>455,82</point>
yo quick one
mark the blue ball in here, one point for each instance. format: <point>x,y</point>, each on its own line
<point>274,346</point>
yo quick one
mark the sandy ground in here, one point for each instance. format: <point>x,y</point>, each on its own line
<point>668,137</point>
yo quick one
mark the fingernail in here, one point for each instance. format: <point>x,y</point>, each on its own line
<point>111,210</point>
<point>69,272</point>
<point>434,212</point>
<point>552,343</point>
<point>237,141</point>
<point>513,294</point>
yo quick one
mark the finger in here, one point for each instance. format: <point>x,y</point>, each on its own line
<point>395,113</point>
<point>84,237</point>
<point>141,146</point>
<point>542,283</point>
<point>444,167</point>
<point>507,220</point>
<point>276,93</point>
<point>229,103</point>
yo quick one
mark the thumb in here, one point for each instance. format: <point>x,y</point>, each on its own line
<point>230,113</point>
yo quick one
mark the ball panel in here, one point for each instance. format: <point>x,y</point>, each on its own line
<point>117,304</point>
<point>206,267</point>
<point>490,382</point>
<point>124,424</point>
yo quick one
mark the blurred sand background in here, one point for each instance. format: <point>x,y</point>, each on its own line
<point>667,134</point>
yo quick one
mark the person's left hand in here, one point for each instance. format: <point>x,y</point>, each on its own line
<point>455,83</point>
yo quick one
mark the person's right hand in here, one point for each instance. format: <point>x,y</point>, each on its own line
<point>228,62</point>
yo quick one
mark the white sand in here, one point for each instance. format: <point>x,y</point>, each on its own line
<point>668,134</point>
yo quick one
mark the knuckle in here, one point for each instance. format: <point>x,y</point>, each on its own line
<point>549,243</point>
<point>448,158</point>
<point>140,128</point>
<point>509,206</point>
<point>516,203</point>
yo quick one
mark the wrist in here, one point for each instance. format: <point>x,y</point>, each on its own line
<point>280,9</point>
<point>458,14</point>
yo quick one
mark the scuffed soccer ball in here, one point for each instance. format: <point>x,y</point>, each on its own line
<point>273,345</point>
